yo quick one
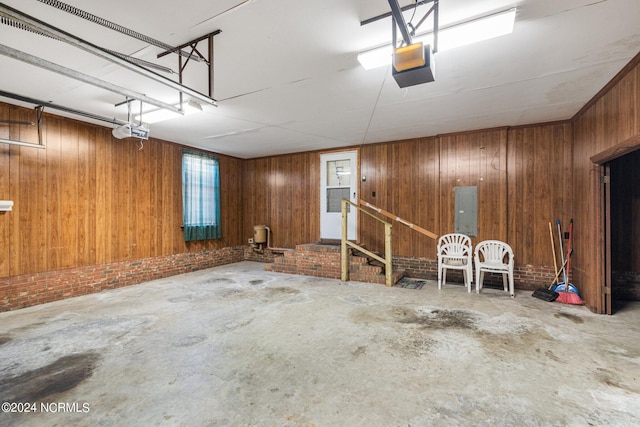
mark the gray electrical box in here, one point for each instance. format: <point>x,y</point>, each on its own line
<point>466,208</point>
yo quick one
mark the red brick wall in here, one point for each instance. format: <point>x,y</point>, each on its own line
<point>324,261</point>
<point>625,285</point>
<point>32,289</point>
<point>311,260</point>
<point>264,255</point>
<point>527,277</point>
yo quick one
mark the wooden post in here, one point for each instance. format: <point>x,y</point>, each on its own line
<point>388,255</point>
<point>344,250</point>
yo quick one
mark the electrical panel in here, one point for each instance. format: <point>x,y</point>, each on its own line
<point>466,209</point>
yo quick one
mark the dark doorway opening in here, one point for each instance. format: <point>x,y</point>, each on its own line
<point>624,211</point>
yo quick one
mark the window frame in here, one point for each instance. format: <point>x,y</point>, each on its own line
<point>198,190</point>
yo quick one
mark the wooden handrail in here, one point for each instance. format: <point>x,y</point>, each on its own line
<point>400,220</point>
<point>345,244</point>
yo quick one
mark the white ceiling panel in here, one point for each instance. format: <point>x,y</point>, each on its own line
<point>287,79</point>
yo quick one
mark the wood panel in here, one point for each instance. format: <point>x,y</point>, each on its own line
<point>5,193</point>
<point>404,178</point>
<point>608,120</point>
<point>88,198</point>
<point>282,192</point>
<point>540,160</point>
<point>476,159</point>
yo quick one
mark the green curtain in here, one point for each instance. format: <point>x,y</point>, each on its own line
<point>200,196</point>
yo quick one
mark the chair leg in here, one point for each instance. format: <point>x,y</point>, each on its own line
<point>511,286</point>
<point>504,281</point>
<point>478,281</point>
<point>439,276</point>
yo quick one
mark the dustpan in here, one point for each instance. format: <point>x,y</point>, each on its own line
<point>567,293</point>
<point>565,287</point>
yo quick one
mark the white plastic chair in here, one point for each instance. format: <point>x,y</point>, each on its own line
<point>494,256</point>
<point>455,252</point>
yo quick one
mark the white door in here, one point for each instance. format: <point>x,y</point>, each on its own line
<point>338,180</point>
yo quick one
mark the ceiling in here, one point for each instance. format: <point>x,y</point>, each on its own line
<point>287,79</point>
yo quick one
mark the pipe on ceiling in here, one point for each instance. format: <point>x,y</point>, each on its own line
<point>85,78</point>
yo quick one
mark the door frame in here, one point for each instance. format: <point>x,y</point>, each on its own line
<point>354,219</point>
<point>602,162</point>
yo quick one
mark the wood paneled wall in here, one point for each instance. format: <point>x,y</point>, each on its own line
<point>611,118</point>
<point>522,174</point>
<point>404,178</point>
<point>89,198</point>
<point>523,179</point>
<point>283,192</point>
<point>539,181</point>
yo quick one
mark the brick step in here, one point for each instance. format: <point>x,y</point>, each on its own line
<point>320,260</point>
<point>396,276</point>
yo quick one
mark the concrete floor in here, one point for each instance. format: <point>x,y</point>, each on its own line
<point>238,346</point>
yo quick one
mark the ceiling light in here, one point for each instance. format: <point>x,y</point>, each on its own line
<point>468,32</point>
<point>161,114</point>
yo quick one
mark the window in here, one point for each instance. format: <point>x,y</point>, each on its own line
<point>200,196</point>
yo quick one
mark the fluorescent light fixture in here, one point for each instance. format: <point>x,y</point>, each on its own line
<point>468,32</point>
<point>477,30</point>
<point>6,205</point>
<point>376,57</point>
<point>161,115</point>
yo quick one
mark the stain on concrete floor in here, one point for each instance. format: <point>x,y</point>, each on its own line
<point>572,317</point>
<point>50,380</point>
<point>437,318</point>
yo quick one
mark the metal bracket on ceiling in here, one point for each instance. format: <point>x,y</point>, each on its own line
<point>193,44</point>
<point>408,30</point>
<point>39,110</point>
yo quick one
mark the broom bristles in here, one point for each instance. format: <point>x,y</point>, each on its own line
<point>569,298</point>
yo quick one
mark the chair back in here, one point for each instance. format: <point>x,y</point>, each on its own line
<point>494,252</point>
<point>454,245</point>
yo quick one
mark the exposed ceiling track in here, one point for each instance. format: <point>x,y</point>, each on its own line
<point>85,78</point>
<point>100,52</point>
<point>115,27</point>
<point>15,24</point>
<point>46,104</point>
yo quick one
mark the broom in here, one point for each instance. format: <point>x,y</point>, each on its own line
<point>567,293</point>
<point>547,294</point>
